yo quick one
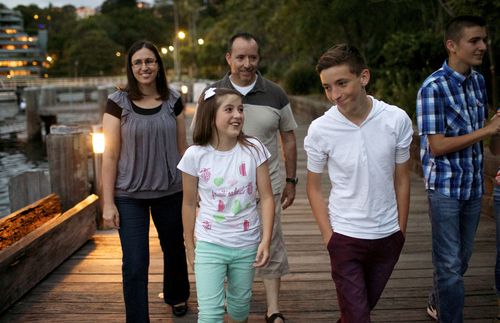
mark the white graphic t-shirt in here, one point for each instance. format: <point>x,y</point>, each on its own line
<point>227,184</point>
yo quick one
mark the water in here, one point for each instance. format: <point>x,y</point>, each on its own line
<point>16,157</point>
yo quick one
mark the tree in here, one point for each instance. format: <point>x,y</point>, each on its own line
<point>93,54</point>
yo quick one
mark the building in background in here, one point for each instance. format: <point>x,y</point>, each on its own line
<point>21,55</point>
<point>85,12</point>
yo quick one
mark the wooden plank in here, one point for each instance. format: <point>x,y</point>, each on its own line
<point>27,262</point>
<point>87,287</point>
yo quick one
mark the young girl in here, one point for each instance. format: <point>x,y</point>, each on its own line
<point>225,168</point>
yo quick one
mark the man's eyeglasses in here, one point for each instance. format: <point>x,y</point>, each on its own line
<point>149,62</point>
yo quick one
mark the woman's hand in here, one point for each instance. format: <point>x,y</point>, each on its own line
<point>110,216</point>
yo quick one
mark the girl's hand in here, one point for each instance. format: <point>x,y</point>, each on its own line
<point>190,258</point>
<point>110,216</point>
<point>262,255</point>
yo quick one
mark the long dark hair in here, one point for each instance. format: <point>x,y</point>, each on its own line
<point>204,125</point>
<point>132,87</point>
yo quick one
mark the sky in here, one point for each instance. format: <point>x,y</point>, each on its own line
<point>56,3</point>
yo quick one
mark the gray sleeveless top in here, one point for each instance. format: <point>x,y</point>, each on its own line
<point>147,167</point>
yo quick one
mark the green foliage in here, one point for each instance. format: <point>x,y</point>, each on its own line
<point>92,55</point>
<point>302,79</point>
<point>400,39</point>
<point>109,6</point>
<point>405,60</point>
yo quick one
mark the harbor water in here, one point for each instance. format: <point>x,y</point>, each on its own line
<point>16,157</point>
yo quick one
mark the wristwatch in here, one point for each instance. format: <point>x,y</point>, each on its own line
<point>293,180</point>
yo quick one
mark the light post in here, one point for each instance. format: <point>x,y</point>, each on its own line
<point>98,146</point>
<point>179,37</point>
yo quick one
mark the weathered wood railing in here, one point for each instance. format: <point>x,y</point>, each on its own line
<point>34,255</point>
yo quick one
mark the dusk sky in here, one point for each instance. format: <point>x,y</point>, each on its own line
<point>56,3</point>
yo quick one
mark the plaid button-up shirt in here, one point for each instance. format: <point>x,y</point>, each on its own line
<point>452,104</point>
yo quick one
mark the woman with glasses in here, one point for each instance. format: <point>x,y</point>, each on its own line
<point>145,136</point>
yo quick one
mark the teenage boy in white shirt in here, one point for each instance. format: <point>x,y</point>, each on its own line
<point>365,144</point>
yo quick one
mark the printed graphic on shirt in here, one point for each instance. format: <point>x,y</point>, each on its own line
<point>218,181</point>
<point>219,217</point>
<point>243,170</point>
<point>205,174</point>
<point>207,225</point>
<point>236,208</point>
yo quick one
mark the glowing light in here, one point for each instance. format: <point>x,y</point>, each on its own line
<point>201,41</point>
<point>98,144</point>
<point>118,54</point>
<point>164,50</point>
<point>49,59</point>
<point>171,48</point>
<point>181,35</point>
<point>35,17</point>
<point>184,89</point>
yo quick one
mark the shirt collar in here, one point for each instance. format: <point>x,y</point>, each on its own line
<point>454,75</point>
<point>259,84</point>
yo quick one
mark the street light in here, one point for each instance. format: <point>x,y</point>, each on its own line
<point>181,35</point>
<point>201,41</point>
<point>98,146</point>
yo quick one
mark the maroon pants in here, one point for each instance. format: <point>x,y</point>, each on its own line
<point>360,270</point>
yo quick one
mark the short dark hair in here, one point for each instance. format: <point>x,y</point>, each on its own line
<point>455,26</point>
<point>246,36</point>
<point>132,87</point>
<point>342,54</point>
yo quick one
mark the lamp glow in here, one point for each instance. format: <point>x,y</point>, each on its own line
<point>184,89</point>
<point>98,143</point>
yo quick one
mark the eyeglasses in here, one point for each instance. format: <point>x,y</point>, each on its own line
<point>149,62</point>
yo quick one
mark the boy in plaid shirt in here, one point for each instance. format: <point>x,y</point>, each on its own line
<point>451,113</point>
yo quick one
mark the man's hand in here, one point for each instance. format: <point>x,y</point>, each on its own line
<point>288,195</point>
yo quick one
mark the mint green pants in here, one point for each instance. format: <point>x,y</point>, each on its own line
<point>214,264</point>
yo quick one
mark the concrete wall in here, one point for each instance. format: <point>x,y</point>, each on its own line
<point>308,109</point>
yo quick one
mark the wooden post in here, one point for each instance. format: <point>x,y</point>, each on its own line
<point>67,152</point>
<point>102,98</point>
<point>33,121</point>
<point>28,187</point>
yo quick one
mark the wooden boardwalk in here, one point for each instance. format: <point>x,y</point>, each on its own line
<point>87,287</point>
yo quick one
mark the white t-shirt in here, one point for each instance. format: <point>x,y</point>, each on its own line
<point>244,89</point>
<point>361,162</point>
<point>227,185</point>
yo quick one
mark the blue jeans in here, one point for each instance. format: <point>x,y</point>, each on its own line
<point>213,264</point>
<point>454,223</point>
<point>496,206</point>
<point>134,237</point>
